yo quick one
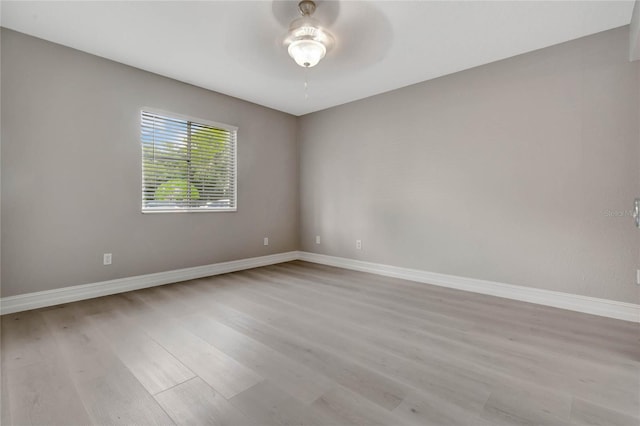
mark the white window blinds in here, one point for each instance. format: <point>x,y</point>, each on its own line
<point>187,165</point>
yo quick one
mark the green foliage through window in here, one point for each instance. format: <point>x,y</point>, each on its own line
<point>187,165</point>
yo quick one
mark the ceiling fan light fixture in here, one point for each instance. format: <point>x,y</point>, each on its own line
<point>307,53</point>
<point>307,42</point>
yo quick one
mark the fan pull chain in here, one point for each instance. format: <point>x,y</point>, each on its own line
<point>306,84</point>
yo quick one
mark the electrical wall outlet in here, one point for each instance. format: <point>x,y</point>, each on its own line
<point>106,259</point>
<point>317,239</point>
<point>638,276</point>
<point>266,241</point>
<point>359,244</point>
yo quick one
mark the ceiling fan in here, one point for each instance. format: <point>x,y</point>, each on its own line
<point>357,36</point>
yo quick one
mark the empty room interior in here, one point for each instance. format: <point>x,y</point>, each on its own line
<point>320,212</point>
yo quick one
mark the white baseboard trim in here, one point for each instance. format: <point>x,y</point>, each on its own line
<point>41,299</point>
<point>590,305</point>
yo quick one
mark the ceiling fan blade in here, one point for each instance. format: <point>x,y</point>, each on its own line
<point>259,46</point>
<point>363,36</point>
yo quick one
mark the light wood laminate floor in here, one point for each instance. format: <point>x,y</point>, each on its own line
<point>300,343</point>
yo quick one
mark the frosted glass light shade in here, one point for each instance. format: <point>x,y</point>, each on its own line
<point>307,53</point>
<point>307,42</point>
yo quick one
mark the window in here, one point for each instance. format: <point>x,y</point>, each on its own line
<point>187,165</point>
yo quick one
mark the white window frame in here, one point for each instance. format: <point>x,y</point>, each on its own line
<point>223,126</point>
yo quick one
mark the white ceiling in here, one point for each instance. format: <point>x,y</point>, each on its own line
<point>235,47</point>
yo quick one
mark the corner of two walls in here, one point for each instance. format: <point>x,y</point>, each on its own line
<point>522,172</point>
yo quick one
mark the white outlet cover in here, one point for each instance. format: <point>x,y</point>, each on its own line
<point>266,241</point>
<point>317,239</point>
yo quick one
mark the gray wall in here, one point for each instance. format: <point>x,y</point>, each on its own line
<point>504,172</point>
<point>71,173</point>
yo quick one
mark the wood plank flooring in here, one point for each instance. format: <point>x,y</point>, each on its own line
<point>305,344</point>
